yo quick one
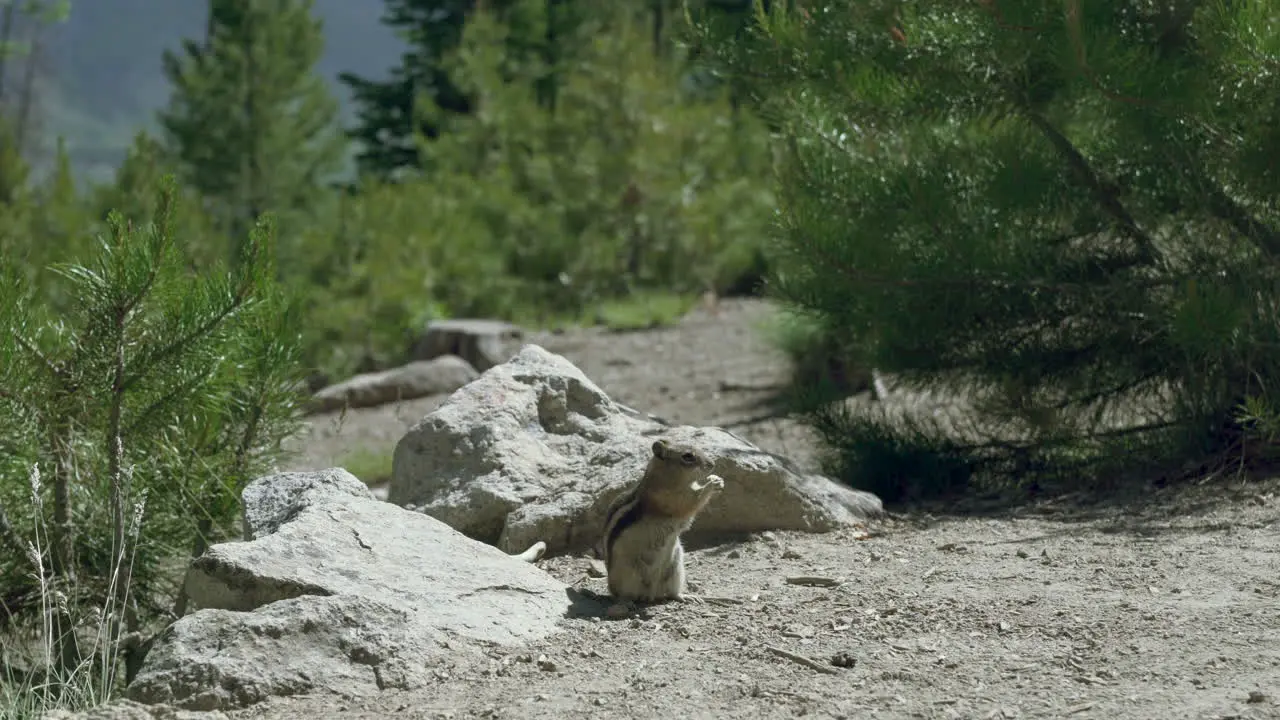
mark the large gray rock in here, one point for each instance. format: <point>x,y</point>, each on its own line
<point>414,380</point>
<point>338,592</point>
<point>533,450</point>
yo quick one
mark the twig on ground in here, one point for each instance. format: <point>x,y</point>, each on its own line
<point>801,660</point>
<point>814,581</point>
<point>713,600</point>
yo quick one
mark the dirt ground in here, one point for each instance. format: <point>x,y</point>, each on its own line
<point>1168,608</point>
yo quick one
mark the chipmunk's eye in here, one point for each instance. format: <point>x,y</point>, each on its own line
<point>689,458</point>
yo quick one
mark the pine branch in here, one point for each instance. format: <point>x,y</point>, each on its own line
<point>183,341</point>
<point>13,398</point>
<point>1104,193</point>
<point>1078,46</point>
<point>992,7</point>
<point>981,282</point>
<point>1112,391</point>
<point>1224,208</point>
<point>55,369</point>
<point>1107,268</point>
<point>177,393</point>
<point>1026,445</point>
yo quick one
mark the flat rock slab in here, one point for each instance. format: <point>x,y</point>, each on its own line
<point>347,594</point>
<point>533,450</point>
<point>414,380</point>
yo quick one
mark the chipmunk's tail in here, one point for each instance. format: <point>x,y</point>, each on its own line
<point>534,552</point>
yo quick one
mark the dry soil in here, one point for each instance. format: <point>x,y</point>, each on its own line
<point>1164,608</point>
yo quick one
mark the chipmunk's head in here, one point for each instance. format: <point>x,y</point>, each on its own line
<point>682,456</point>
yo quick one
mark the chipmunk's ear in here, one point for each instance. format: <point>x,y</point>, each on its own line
<point>660,448</point>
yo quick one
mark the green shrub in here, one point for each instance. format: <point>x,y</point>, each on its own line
<point>1060,221</point>
<point>146,405</point>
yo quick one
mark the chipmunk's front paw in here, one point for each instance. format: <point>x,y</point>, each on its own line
<point>713,484</point>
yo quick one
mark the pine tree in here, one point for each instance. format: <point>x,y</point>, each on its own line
<point>391,118</point>
<point>545,34</point>
<point>1061,218</point>
<point>144,406</point>
<point>250,122</point>
<point>388,126</point>
<point>629,185</point>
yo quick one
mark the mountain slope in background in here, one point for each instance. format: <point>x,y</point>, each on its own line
<point>104,64</point>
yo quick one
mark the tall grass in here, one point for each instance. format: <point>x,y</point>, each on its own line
<point>48,683</point>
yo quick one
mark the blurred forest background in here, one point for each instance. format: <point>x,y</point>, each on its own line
<point>99,78</point>
<point>418,166</point>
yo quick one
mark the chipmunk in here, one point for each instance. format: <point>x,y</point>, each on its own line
<point>641,544</point>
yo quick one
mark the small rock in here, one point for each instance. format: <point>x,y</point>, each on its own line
<point>482,343</point>
<point>546,664</point>
<point>1256,697</point>
<point>844,660</point>
<point>802,632</point>
<point>1023,554</point>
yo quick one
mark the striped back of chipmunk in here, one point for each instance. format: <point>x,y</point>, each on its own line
<point>622,514</point>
